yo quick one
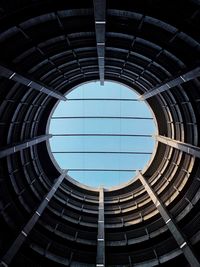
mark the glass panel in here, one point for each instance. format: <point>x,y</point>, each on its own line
<point>107,169</point>
<point>102,143</point>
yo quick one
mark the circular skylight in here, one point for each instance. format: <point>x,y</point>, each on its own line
<point>102,134</point>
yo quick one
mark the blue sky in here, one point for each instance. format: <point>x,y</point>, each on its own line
<point>104,108</point>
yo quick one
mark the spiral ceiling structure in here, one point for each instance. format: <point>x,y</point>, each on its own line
<point>46,49</point>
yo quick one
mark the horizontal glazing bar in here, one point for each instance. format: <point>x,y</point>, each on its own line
<point>102,170</point>
<point>109,135</point>
<point>102,99</point>
<point>101,152</point>
<point>102,117</point>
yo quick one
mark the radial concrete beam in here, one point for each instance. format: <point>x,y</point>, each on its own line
<point>171,224</point>
<point>12,75</point>
<point>100,23</point>
<point>185,77</point>
<point>21,238</point>
<point>100,260</point>
<point>185,147</point>
<point>6,151</point>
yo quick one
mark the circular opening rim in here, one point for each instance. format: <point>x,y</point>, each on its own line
<point>91,188</point>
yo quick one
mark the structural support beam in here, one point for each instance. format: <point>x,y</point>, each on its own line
<point>21,238</point>
<point>185,77</point>
<point>171,224</point>
<point>100,260</point>
<point>12,75</point>
<point>100,23</point>
<point>185,147</point>
<point>6,151</point>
